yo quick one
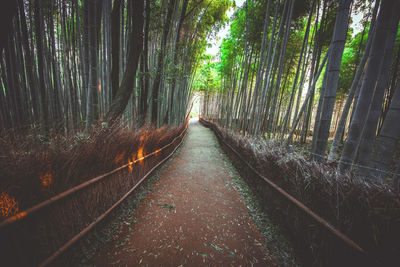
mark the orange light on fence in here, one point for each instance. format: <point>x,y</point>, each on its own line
<point>46,179</point>
<point>130,165</point>
<point>20,215</point>
<point>140,153</point>
<point>8,205</point>
<point>157,151</point>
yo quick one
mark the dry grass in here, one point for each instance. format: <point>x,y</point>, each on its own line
<point>368,213</point>
<point>34,170</point>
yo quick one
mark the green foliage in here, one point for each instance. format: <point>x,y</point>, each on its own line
<point>253,14</point>
<point>204,18</point>
<point>350,60</point>
<point>207,78</point>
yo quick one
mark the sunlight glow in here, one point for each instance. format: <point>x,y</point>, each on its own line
<point>8,205</point>
<point>130,165</point>
<point>140,153</point>
<point>46,179</point>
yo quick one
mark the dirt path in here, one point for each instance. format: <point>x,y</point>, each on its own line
<point>193,216</point>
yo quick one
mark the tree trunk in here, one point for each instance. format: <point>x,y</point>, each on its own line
<point>342,122</point>
<point>267,71</point>
<point>157,80</point>
<point>281,65</point>
<point>124,92</point>
<point>309,93</point>
<point>367,88</point>
<point>115,36</point>
<point>375,110</point>
<point>387,140</point>
<point>7,14</point>
<point>42,88</point>
<point>260,67</point>
<point>146,77</point>
<point>175,50</point>
<point>333,69</point>
<point>299,67</point>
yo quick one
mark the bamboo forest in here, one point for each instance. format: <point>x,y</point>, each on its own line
<point>200,133</point>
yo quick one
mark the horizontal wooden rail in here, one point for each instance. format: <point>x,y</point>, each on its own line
<point>296,202</point>
<point>23,214</point>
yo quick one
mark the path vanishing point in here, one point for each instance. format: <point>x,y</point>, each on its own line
<point>193,215</point>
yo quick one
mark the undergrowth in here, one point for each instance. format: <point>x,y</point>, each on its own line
<point>367,213</point>
<point>34,167</point>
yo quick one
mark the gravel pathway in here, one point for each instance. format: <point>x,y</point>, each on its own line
<point>193,216</point>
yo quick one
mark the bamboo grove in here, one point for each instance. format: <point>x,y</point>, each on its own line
<point>68,64</point>
<point>294,70</point>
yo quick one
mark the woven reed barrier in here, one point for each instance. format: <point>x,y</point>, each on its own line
<point>38,235</point>
<point>343,222</point>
